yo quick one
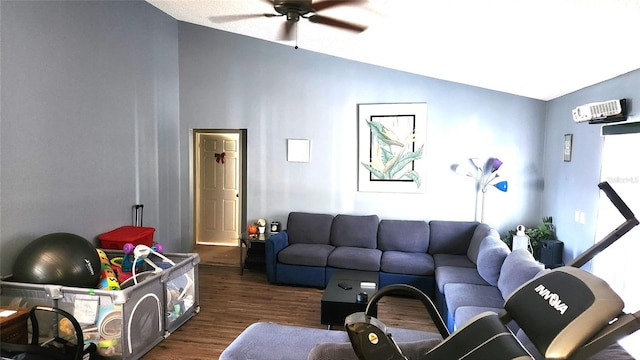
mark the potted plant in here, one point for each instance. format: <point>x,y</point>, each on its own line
<point>544,231</point>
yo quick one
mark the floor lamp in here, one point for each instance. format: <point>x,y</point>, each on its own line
<point>485,175</point>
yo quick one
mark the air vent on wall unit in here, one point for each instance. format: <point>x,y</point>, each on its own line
<point>601,112</point>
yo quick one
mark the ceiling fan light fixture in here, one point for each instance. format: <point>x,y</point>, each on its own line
<point>293,16</point>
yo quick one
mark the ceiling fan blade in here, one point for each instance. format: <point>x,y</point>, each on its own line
<point>326,4</point>
<point>230,18</point>
<point>286,33</point>
<point>319,19</point>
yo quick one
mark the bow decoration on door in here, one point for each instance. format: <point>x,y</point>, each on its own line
<point>220,158</point>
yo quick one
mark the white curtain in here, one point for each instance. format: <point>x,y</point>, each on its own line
<point>619,264</point>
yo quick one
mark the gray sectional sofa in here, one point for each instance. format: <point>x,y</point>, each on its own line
<point>463,265</point>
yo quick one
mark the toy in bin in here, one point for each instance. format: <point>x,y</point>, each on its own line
<point>136,255</point>
<point>108,278</point>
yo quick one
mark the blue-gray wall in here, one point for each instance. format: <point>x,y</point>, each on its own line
<point>572,186</point>
<point>98,99</point>
<point>89,120</point>
<point>277,92</point>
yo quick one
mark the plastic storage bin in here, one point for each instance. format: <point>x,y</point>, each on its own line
<point>125,323</point>
<point>136,235</point>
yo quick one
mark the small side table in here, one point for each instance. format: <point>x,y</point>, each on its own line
<point>255,254</point>
<point>13,326</point>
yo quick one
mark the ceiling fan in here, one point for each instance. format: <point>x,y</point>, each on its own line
<point>296,9</point>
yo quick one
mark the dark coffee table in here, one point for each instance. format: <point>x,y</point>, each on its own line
<point>338,303</point>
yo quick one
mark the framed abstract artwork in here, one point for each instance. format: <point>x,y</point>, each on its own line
<point>391,141</point>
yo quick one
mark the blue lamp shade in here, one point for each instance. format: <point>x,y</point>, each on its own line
<point>502,186</point>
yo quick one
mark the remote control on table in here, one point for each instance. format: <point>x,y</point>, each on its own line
<point>345,286</point>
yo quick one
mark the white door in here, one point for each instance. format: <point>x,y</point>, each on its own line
<point>217,182</point>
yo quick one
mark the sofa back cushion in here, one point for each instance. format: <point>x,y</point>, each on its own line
<point>481,232</point>
<point>307,228</point>
<point>518,268</point>
<point>491,255</point>
<point>403,235</point>
<point>450,237</point>
<point>355,231</point>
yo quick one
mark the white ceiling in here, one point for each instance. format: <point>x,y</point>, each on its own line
<point>536,48</point>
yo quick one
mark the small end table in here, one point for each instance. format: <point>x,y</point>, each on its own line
<point>255,254</point>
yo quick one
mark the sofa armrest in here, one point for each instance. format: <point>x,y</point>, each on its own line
<point>274,244</point>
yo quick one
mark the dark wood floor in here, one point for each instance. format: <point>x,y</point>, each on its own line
<point>230,302</point>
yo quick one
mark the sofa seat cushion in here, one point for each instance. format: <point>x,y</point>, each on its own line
<point>305,254</point>
<point>452,260</point>
<point>355,230</point>
<point>309,228</point>
<point>465,313</point>
<point>458,295</point>
<point>403,235</point>
<point>355,258</point>
<point>412,263</point>
<point>455,274</point>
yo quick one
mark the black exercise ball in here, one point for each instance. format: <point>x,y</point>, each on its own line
<point>59,258</point>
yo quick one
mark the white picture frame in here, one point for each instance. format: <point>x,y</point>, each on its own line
<point>299,150</point>
<point>391,145</point>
